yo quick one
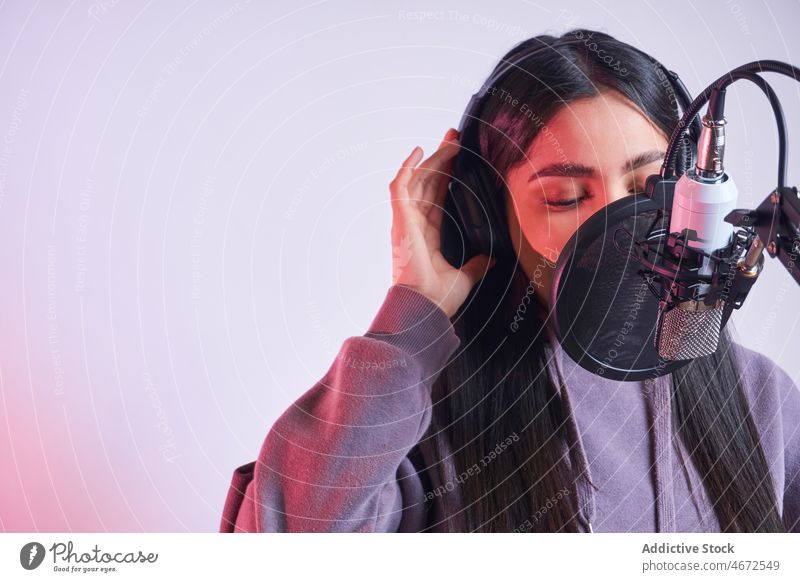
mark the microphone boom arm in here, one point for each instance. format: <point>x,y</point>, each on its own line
<point>776,222</point>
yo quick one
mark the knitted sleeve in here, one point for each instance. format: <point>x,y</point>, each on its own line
<point>337,459</point>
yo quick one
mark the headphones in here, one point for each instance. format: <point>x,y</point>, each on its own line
<point>472,183</point>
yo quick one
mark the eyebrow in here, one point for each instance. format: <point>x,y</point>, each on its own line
<point>569,170</point>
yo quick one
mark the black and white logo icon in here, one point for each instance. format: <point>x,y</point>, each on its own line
<point>31,555</point>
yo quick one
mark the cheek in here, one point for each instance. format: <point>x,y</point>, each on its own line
<point>547,231</point>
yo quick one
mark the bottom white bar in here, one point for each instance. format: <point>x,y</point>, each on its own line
<point>354,557</point>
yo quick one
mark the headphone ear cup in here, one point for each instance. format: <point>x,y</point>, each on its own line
<point>457,240</point>
<point>478,206</point>
<point>495,240</point>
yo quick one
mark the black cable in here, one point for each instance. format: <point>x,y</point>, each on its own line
<point>746,71</point>
<point>716,110</point>
<point>696,125</point>
<point>780,120</point>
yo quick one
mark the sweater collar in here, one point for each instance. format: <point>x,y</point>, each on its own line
<point>657,391</point>
<point>584,488</point>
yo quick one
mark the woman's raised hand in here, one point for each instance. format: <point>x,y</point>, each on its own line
<point>418,196</point>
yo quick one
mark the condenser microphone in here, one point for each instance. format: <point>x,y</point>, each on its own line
<point>688,326</point>
<point>648,283</point>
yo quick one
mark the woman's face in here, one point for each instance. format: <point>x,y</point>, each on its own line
<point>592,152</point>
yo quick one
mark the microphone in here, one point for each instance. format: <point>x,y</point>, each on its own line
<point>647,284</point>
<point>690,321</point>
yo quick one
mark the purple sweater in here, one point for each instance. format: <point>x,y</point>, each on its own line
<point>348,455</point>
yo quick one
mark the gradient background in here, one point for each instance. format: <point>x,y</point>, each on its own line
<point>195,214</point>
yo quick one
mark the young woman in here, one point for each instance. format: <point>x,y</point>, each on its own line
<point>439,418</point>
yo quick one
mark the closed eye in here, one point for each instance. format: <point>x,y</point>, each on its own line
<point>569,203</point>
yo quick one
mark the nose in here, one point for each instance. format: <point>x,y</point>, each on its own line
<point>616,191</point>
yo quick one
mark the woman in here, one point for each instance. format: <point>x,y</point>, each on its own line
<point>428,424</point>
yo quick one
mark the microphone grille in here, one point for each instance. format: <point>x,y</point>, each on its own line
<point>686,332</point>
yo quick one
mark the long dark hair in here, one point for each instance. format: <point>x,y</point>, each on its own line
<point>497,386</point>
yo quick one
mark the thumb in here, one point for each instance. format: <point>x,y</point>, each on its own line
<point>477,266</point>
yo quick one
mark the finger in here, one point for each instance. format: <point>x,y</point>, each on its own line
<point>432,171</point>
<point>447,148</point>
<point>439,190</point>
<point>448,136</point>
<point>435,194</point>
<point>399,185</point>
<point>436,212</point>
<point>435,191</point>
<point>437,185</point>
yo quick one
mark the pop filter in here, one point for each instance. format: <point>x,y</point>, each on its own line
<point>604,312</point>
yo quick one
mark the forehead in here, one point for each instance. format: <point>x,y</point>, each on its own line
<point>606,128</point>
